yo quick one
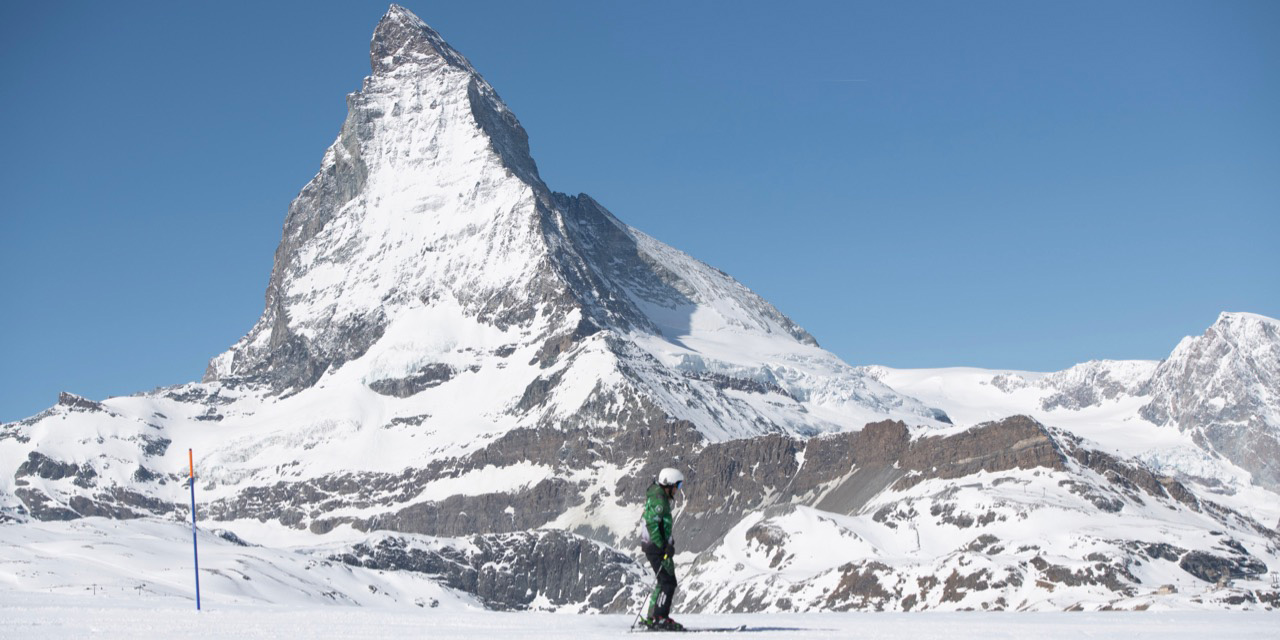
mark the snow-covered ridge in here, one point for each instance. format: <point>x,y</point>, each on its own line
<point>1210,411</point>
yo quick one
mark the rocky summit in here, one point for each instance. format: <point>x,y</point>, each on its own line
<point>464,376</point>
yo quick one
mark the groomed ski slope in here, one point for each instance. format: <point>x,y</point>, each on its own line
<point>56,616</point>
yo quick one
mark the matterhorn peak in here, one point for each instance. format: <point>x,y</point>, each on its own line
<point>406,50</point>
<point>427,244</point>
<point>430,166</point>
<point>403,38</point>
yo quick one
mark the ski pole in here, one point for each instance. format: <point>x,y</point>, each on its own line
<point>645,600</point>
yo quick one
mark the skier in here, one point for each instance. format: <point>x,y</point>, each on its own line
<point>660,549</point>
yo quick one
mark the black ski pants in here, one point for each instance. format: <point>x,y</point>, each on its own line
<point>665,570</point>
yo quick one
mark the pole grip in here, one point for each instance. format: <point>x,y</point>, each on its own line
<point>191,463</point>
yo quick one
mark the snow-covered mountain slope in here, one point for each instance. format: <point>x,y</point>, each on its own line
<point>1066,528</point>
<point>1004,515</point>
<point>427,248</point>
<point>972,396</point>
<point>1223,388</point>
<point>151,559</point>
<point>447,347</point>
<point>430,298</point>
<point>1209,414</point>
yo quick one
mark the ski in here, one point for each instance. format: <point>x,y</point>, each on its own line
<point>691,630</point>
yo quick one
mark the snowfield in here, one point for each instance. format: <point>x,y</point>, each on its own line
<point>103,578</point>
<point>53,616</point>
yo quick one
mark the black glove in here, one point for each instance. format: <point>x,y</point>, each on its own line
<point>669,550</point>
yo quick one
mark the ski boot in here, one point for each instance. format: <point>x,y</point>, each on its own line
<point>663,624</point>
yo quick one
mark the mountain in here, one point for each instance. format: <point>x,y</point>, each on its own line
<point>461,374</point>
<point>1209,413</point>
<point>1008,515</point>
<point>1223,388</point>
<point>427,253</point>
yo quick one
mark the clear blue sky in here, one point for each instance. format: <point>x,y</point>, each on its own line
<point>999,184</point>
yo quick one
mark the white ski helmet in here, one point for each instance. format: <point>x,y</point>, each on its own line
<point>670,477</point>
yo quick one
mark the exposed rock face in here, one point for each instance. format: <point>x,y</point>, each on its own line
<point>1014,443</point>
<point>432,375</point>
<point>731,478</point>
<point>978,487</point>
<point>515,571</point>
<point>1215,568</point>
<point>78,403</point>
<point>1224,388</point>
<point>40,465</point>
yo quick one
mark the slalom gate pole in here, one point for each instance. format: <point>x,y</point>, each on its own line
<point>194,549</point>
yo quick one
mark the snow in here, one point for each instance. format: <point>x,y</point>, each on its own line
<point>121,615</point>
<point>133,579</point>
<point>971,396</point>
<point>150,560</point>
<point>1234,316</point>
<point>600,506</point>
<point>489,479</point>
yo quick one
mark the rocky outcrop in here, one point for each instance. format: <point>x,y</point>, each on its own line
<point>517,571</point>
<point>1092,383</point>
<point>78,403</point>
<point>426,377</point>
<point>1018,442</point>
<point>1218,568</point>
<point>43,466</point>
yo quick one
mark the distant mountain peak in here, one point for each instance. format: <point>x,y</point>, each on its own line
<point>1223,387</point>
<point>1245,321</point>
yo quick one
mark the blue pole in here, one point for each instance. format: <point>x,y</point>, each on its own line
<point>194,549</point>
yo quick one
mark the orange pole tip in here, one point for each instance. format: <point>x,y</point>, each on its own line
<point>191,462</point>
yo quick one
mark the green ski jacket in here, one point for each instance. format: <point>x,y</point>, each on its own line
<point>657,516</point>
